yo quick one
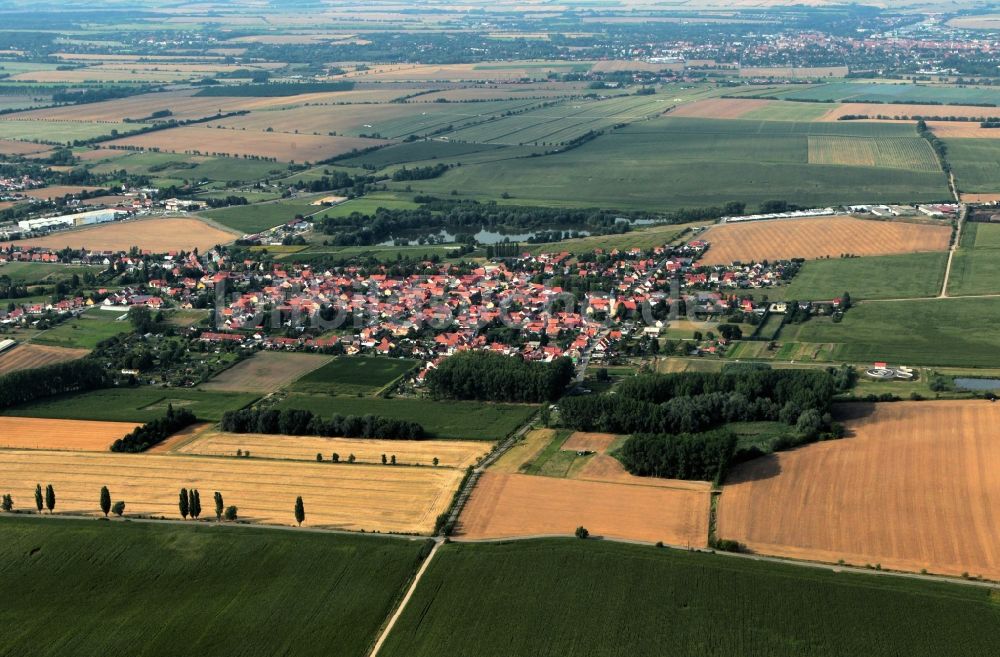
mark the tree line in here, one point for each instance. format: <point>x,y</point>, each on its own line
<point>294,422</point>
<point>420,173</point>
<point>693,402</point>
<point>486,376</point>
<point>28,385</point>
<point>155,432</point>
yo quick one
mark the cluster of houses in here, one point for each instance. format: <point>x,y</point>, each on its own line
<point>444,310</point>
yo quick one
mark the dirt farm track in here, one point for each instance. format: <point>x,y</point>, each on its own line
<point>818,237</point>
<point>917,486</point>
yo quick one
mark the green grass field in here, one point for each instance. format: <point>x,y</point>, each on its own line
<point>976,163</point>
<point>670,163</point>
<point>349,375</point>
<point>62,132</point>
<point>890,93</point>
<point>878,277</point>
<point>976,266</point>
<point>570,598</point>
<point>452,420</point>
<point>86,588</point>
<point>134,404</point>
<point>39,272</point>
<point>945,332</point>
<point>259,217</point>
<point>418,151</point>
<point>86,331</point>
<point>174,165</point>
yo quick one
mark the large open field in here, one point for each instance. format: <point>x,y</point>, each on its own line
<point>664,163</point>
<point>819,237</point>
<point>893,94</point>
<point>874,277</point>
<point>916,486</point>
<point>40,433</point>
<point>355,497</point>
<point>309,592</point>
<point>975,268</point>
<point>442,419</point>
<point>450,453</point>
<point>284,147</point>
<point>351,375</point>
<point>509,505</point>
<point>945,332</point>
<point>265,372</point>
<point>976,163</point>
<point>134,404</point>
<point>261,216</point>
<point>27,356</point>
<point>560,598</point>
<point>159,235</point>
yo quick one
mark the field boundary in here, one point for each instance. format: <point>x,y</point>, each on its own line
<point>401,607</point>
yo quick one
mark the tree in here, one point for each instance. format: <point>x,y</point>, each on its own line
<point>219,505</point>
<point>105,501</point>
<point>232,513</point>
<point>194,503</point>
<point>335,457</point>
<point>435,461</point>
<point>118,509</point>
<point>392,459</point>
<point>141,318</point>
<point>581,532</point>
<point>39,503</point>
<point>351,458</point>
<point>300,510</point>
<point>184,503</point>
<point>384,460</point>
<point>319,457</point>
<point>50,498</point>
<point>8,503</point>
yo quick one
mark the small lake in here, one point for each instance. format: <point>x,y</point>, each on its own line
<point>977,384</point>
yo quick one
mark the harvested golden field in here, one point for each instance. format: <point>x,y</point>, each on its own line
<point>818,237</point>
<point>908,110</point>
<point>593,442</point>
<point>524,451</point>
<point>77,435</point>
<point>984,22</point>
<point>27,356</point>
<point>500,92</point>
<point>157,235</point>
<point>963,130</point>
<point>284,147</point>
<point>266,371</point>
<point>353,497</point>
<point>509,505</point>
<point>619,65</point>
<point>916,487</point>
<point>450,453</point>
<point>721,108</point>
<point>459,72</point>
<point>57,191</point>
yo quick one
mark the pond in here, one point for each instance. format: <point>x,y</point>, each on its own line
<point>977,384</point>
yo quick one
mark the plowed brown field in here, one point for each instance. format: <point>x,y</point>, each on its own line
<point>594,442</point>
<point>27,356</point>
<point>354,497</point>
<point>266,371</point>
<point>40,433</point>
<point>917,486</point>
<point>911,110</point>
<point>509,505</point>
<point>818,237</point>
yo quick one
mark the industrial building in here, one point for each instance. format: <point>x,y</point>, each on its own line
<point>69,220</point>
